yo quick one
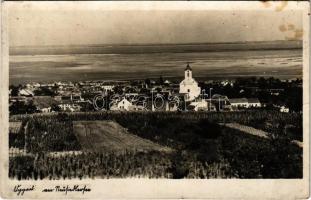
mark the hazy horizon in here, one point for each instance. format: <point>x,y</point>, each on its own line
<point>43,26</point>
<point>207,61</point>
<point>153,48</point>
<point>143,44</point>
<point>95,43</point>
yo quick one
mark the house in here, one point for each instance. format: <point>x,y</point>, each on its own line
<point>113,106</point>
<point>124,104</point>
<point>70,103</point>
<point>46,110</point>
<point>189,87</point>
<point>217,97</point>
<point>254,103</point>
<point>202,105</point>
<point>171,106</point>
<point>167,82</point>
<point>239,103</point>
<point>69,107</point>
<point>26,92</point>
<point>76,97</point>
<point>284,109</point>
<point>199,105</point>
<point>132,95</point>
<point>221,102</point>
<point>245,103</point>
<point>226,82</point>
<point>138,108</point>
<point>58,98</point>
<point>107,87</point>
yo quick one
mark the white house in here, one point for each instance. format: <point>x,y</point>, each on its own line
<point>284,109</point>
<point>245,103</point>
<point>239,102</point>
<point>46,110</point>
<point>107,87</point>
<point>25,92</point>
<point>171,106</point>
<point>254,102</point>
<point>189,86</point>
<point>199,105</point>
<point>71,107</point>
<point>124,104</point>
<point>167,82</point>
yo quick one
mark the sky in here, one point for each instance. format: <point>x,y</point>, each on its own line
<point>42,26</point>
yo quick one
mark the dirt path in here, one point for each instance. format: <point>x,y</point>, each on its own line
<point>254,131</point>
<point>110,136</point>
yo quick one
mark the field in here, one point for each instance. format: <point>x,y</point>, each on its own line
<point>132,144</point>
<point>105,136</point>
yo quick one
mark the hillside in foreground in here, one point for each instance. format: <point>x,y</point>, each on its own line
<point>203,148</point>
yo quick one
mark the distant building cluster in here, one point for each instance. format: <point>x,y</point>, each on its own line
<point>146,95</point>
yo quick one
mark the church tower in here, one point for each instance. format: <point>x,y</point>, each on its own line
<point>189,87</point>
<point>188,72</point>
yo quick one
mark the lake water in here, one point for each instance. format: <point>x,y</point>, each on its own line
<point>283,64</point>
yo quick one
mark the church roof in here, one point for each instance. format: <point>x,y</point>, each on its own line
<point>188,67</point>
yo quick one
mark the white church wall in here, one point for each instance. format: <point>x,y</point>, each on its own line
<point>189,86</point>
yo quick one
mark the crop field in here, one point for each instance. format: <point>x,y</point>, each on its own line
<point>159,145</point>
<point>105,136</point>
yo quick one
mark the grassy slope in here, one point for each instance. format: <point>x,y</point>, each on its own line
<point>103,136</point>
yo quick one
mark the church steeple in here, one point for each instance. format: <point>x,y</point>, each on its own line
<point>188,67</point>
<point>188,72</point>
<point>189,86</point>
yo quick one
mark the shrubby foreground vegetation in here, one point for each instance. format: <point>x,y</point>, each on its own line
<point>202,147</point>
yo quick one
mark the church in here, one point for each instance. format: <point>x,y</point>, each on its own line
<point>189,86</point>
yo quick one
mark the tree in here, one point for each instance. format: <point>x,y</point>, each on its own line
<point>14,90</point>
<point>118,89</point>
<point>44,91</point>
<point>20,107</point>
<point>161,81</point>
<point>55,108</point>
<point>147,81</point>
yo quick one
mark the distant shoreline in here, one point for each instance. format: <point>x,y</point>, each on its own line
<point>214,78</point>
<point>158,44</point>
<point>154,48</point>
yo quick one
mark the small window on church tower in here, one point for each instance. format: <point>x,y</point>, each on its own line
<point>188,90</point>
<point>188,73</point>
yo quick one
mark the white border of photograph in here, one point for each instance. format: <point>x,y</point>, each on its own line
<point>159,188</point>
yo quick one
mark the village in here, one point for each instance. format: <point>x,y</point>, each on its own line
<point>153,95</point>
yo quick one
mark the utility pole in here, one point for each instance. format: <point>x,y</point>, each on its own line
<point>152,107</point>
<point>219,104</point>
<point>203,94</point>
<point>186,96</point>
<point>210,98</point>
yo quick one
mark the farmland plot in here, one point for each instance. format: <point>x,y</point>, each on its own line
<point>109,136</point>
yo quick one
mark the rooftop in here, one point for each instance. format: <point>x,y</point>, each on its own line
<point>238,100</point>
<point>188,67</point>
